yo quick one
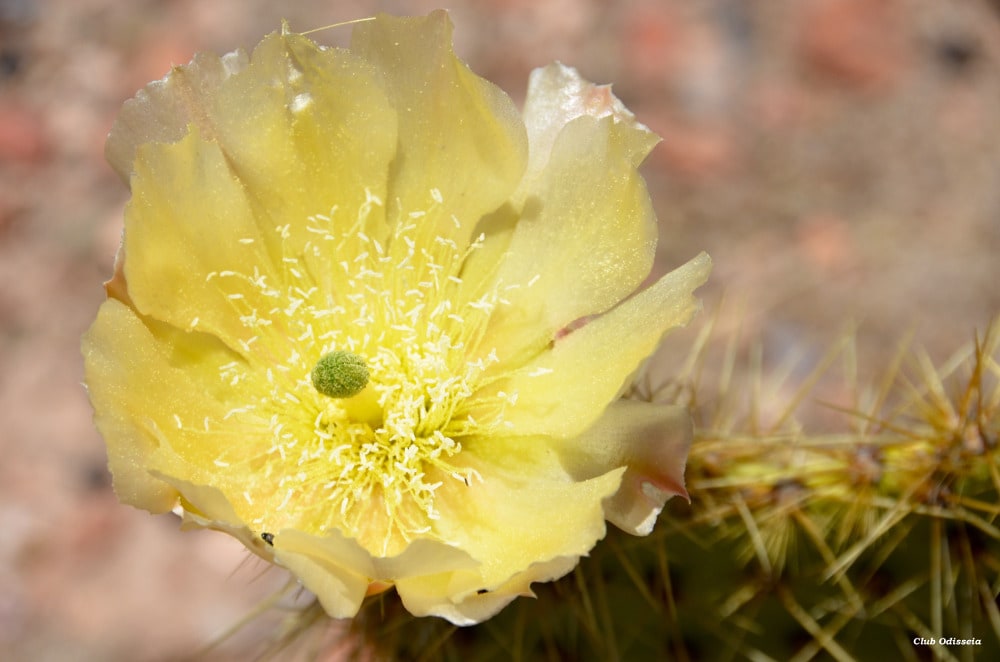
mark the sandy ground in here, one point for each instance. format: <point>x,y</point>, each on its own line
<point>840,160</point>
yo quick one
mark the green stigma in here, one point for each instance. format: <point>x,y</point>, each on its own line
<point>340,374</point>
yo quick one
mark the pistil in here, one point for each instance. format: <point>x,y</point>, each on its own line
<point>340,374</point>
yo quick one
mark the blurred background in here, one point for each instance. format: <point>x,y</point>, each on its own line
<point>839,159</point>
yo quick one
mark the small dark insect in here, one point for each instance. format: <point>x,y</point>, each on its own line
<point>268,538</point>
<point>481,591</point>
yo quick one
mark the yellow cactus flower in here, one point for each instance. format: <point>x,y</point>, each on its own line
<point>345,326</point>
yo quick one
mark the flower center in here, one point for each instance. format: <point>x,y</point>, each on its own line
<point>364,374</point>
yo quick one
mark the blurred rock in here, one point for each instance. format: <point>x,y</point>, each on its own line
<point>861,43</point>
<point>22,134</point>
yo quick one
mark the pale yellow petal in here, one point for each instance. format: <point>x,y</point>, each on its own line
<point>195,256</point>
<point>585,239</point>
<point>339,571</point>
<point>459,135</point>
<point>652,440</point>
<point>455,596</point>
<point>525,509</point>
<point>564,390</point>
<point>145,380</point>
<point>291,145</point>
<point>525,522</point>
<point>557,95</point>
<point>163,110</point>
<point>205,507</point>
<point>423,557</point>
<point>308,132</point>
<point>335,568</point>
<point>306,129</point>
